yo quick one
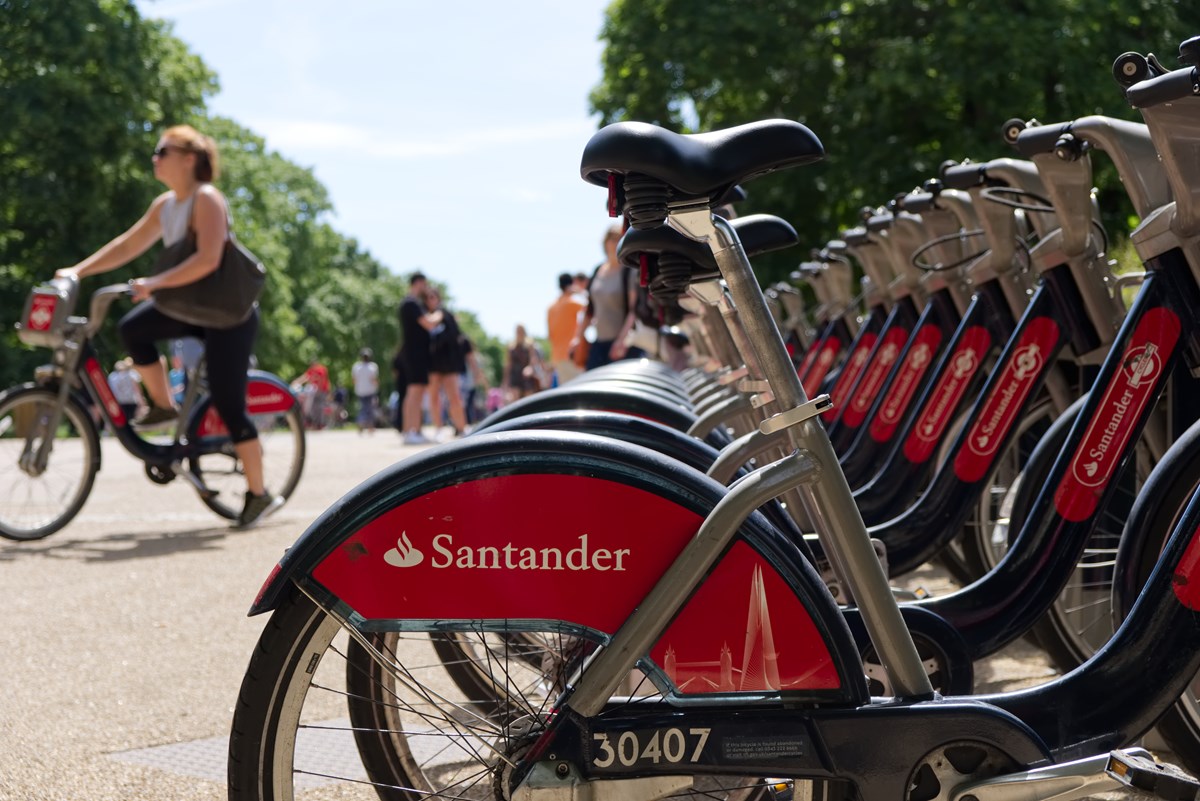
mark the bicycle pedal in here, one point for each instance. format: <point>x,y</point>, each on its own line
<point>1160,779</point>
<point>780,789</point>
<point>917,594</point>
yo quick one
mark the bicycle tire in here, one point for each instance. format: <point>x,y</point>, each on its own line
<point>309,677</point>
<point>1153,517</point>
<point>61,490</point>
<point>281,435</point>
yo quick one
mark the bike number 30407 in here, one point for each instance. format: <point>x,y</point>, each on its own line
<point>655,747</point>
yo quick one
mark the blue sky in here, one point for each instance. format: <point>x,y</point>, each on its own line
<point>447,134</point>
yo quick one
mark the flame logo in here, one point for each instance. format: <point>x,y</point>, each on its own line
<point>919,356</point>
<point>404,554</point>
<point>1028,361</point>
<point>964,363</point>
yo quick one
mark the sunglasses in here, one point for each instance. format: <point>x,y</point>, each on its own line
<point>162,150</point>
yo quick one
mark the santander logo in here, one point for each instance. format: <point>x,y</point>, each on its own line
<point>507,556</point>
<point>42,312</point>
<point>920,357</point>
<point>1005,399</point>
<point>404,554</point>
<point>1027,363</point>
<point>951,387</point>
<point>1125,400</point>
<point>1141,366</point>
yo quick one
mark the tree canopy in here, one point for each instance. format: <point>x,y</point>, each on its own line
<point>87,87</point>
<point>892,87</point>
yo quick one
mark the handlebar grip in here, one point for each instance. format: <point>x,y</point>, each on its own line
<point>1175,85</point>
<point>963,176</point>
<point>1041,138</point>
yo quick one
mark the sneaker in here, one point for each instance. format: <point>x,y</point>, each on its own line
<point>156,417</point>
<point>415,438</point>
<point>257,508</point>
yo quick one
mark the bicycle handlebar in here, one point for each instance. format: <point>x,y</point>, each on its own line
<point>1175,85</point>
<point>962,176</point>
<point>102,298</point>
<point>1041,138</point>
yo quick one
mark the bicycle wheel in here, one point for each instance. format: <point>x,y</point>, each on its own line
<point>315,694</point>
<point>281,435</point>
<point>1153,518</point>
<point>35,505</point>
<point>444,708</point>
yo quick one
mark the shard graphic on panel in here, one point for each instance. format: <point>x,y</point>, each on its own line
<point>759,669</point>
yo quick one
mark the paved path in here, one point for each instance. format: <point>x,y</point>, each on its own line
<point>124,637</point>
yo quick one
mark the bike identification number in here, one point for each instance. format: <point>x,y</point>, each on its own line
<point>670,746</point>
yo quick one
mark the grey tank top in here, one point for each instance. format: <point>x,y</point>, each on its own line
<point>174,217</point>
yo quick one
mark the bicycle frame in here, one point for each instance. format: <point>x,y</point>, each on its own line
<point>76,366</point>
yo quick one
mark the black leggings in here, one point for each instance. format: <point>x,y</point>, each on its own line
<point>227,352</point>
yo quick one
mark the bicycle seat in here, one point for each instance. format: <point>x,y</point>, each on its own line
<point>855,237</point>
<point>759,233</point>
<point>702,165</point>
<point>880,222</point>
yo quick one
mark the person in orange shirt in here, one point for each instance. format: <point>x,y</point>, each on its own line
<point>561,321</point>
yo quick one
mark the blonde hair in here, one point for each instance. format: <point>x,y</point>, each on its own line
<point>188,138</point>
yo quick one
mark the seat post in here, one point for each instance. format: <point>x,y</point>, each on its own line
<point>828,499</point>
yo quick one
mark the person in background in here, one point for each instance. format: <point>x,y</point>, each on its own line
<point>471,382</point>
<point>315,383</point>
<point>446,363</point>
<point>612,297</point>
<point>186,162</point>
<point>126,388</point>
<point>523,368</point>
<point>562,319</point>
<point>365,375</point>
<point>400,385</point>
<point>415,324</point>
<point>580,287</point>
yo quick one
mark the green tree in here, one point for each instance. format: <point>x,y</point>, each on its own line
<point>892,87</point>
<point>86,87</point>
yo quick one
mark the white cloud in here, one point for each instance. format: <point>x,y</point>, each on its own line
<point>296,135</point>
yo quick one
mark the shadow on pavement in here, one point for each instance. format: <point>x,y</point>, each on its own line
<point>120,547</point>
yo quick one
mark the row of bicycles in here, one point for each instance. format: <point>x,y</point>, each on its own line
<point>646,584</point>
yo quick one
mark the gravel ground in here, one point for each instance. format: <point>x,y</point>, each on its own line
<point>125,635</point>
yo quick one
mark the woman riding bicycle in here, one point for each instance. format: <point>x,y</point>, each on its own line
<point>186,162</point>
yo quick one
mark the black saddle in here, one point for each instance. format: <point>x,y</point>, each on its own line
<point>856,237</point>
<point>758,233</point>
<point>675,261</point>
<point>880,222</point>
<point>695,166</point>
